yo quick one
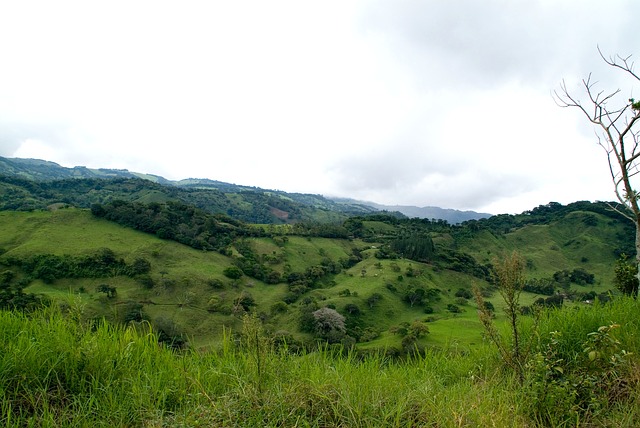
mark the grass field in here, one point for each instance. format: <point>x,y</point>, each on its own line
<point>56,371</point>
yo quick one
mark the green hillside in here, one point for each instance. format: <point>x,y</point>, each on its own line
<point>27,184</point>
<point>192,295</point>
<point>366,321</point>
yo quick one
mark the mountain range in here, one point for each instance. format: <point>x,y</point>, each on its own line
<point>45,171</point>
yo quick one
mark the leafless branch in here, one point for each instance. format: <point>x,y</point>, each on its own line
<point>615,132</point>
<point>625,66</point>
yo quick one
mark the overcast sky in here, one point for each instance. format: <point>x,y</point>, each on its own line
<point>427,103</point>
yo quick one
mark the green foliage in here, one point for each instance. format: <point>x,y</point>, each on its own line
<point>140,266</point>
<point>279,308</point>
<point>626,276</point>
<point>454,309</point>
<point>12,295</point>
<point>373,300</point>
<point>103,263</point>
<point>410,334</point>
<point>250,205</point>
<point>177,221</point>
<point>215,283</point>
<point>146,281</point>
<point>546,286</point>
<point>508,274</point>
<point>232,272</point>
<point>419,248</point>
<point>57,370</point>
<point>352,309</point>
<point>462,262</point>
<point>107,289</point>
<point>464,293</point>
<point>415,296</point>
<point>564,390</point>
<point>318,268</point>
<point>244,301</point>
<point>134,312</point>
<point>554,301</point>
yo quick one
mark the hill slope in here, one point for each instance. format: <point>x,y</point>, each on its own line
<point>192,294</point>
<point>244,202</point>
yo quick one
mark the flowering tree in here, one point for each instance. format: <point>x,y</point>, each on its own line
<point>329,324</point>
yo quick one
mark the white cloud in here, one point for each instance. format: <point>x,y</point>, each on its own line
<point>422,103</point>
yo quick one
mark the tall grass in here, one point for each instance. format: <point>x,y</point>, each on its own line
<point>58,371</point>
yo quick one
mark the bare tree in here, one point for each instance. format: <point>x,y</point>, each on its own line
<point>616,123</point>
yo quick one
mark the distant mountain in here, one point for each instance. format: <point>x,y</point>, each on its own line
<point>450,215</point>
<point>274,204</point>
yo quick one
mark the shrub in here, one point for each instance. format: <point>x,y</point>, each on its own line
<point>453,308</point>
<point>352,309</point>
<point>146,281</point>
<point>169,333</point>
<point>563,390</point>
<point>464,293</point>
<point>232,272</point>
<point>461,301</point>
<point>279,307</point>
<point>140,266</point>
<point>215,283</point>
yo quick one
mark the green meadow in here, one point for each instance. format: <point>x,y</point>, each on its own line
<point>57,370</point>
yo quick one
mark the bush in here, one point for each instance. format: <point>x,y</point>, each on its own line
<point>140,266</point>
<point>564,390</point>
<point>461,301</point>
<point>352,309</point>
<point>454,308</point>
<point>232,272</point>
<point>146,281</point>
<point>464,293</point>
<point>215,283</point>
<point>279,308</point>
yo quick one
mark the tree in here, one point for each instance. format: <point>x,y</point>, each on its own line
<point>626,277</point>
<point>415,296</point>
<point>245,301</point>
<point>352,309</point>
<point>616,122</point>
<point>329,324</point>
<point>232,272</point>
<point>373,299</point>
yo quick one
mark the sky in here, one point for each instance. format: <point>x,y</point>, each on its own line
<point>426,103</point>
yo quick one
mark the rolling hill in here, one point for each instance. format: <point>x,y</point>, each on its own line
<point>386,274</point>
<point>141,302</point>
<point>251,204</point>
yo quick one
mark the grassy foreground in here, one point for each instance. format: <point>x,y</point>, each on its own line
<point>57,371</point>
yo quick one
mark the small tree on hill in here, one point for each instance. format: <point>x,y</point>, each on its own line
<point>329,324</point>
<point>626,277</point>
<point>617,123</point>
